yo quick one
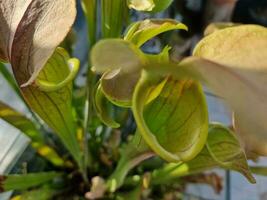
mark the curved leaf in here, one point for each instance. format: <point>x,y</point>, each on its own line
<point>225,149</point>
<point>47,86</point>
<point>55,107</point>
<point>28,128</point>
<point>142,31</point>
<point>174,123</point>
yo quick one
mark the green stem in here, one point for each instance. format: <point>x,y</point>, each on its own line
<point>135,152</point>
<point>114,14</point>
<point>88,112</point>
<point>90,11</point>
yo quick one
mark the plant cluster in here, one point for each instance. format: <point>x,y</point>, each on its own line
<point>138,128</point>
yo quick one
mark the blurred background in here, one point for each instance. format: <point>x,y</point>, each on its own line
<point>16,155</point>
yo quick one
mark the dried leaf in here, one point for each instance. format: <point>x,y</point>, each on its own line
<point>36,39</point>
<point>11,12</point>
<point>27,33</point>
<point>238,72</point>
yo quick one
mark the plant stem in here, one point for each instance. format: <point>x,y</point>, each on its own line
<point>90,11</point>
<point>88,110</point>
<point>135,152</point>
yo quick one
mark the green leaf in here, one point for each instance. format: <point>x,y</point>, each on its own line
<point>28,128</point>
<point>23,182</point>
<point>174,123</point>
<point>142,31</point>
<point>260,170</point>
<point>55,107</point>
<point>40,194</point>
<point>225,149</point>
<point>102,110</point>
